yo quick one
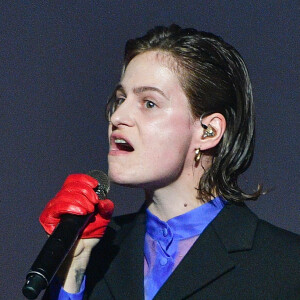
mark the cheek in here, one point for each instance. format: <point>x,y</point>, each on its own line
<point>169,138</point>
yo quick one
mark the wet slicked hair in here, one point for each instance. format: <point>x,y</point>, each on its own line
<point>215,79</point>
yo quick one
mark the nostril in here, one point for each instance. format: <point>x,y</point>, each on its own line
<point>113,127</point>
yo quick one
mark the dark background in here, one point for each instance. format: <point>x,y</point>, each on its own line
<point>59,61</point>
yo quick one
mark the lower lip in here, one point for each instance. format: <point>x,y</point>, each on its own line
<point>118,152</point>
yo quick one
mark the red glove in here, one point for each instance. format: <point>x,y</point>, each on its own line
<point>77,197</point>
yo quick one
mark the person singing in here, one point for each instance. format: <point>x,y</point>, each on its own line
<point>181,127</point>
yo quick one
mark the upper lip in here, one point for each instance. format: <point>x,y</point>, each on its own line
<point>115,136</point>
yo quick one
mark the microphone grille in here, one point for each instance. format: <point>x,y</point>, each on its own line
<point>104,184</point>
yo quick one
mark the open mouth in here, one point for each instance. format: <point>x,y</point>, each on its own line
<point>123,145</point>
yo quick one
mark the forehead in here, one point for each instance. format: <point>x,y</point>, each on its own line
<point>151,68</point>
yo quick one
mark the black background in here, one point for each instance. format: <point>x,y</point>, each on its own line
<point>59,61</point>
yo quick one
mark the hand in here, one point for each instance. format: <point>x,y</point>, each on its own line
<point>78,197</point>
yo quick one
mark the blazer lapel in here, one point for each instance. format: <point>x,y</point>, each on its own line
<point>125,277</point>
<point>206,261</point>
<point>209,258</point>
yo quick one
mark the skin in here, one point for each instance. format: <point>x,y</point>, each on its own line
<point>154,117</point>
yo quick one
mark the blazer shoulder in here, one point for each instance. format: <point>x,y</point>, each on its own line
<point>283,240</point>
<point>283,233</point>
<point>241,229</point>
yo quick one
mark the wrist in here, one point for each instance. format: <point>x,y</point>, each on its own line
<point>71,273</point>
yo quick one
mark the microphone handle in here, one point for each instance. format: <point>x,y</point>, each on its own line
<point>53,254</point>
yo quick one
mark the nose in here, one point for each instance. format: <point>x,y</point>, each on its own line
<point>123,115</point>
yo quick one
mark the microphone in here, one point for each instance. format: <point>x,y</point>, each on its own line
<point>59,244</point>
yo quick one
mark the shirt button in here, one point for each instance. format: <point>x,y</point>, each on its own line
<point>163,261</point>
<point>165,232</point>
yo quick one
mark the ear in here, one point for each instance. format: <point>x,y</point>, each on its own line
<point>215,122</point>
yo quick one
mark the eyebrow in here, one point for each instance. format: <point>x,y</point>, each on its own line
<point>141,89</point>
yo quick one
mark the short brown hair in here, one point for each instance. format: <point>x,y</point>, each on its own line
<point>215,79</point>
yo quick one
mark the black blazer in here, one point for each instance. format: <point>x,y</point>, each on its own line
<point>238,256</point>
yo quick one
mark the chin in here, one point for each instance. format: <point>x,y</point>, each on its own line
<point>127,180</point>
<point>120,179</point>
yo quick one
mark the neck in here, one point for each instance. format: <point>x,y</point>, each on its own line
<point>175,199</point>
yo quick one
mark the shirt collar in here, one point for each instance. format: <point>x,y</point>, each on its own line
<point>186,225</point>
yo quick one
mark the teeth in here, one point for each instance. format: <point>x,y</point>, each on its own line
<point>120,141</point>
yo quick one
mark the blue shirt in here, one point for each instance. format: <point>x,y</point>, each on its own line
<point>166,243</point>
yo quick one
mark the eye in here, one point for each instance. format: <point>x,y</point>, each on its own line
<point>149,104</point>
<point>112,105</point>
<point>118,102</point>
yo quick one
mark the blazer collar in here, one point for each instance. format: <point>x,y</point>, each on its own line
<point>209,258</point>
<point>236,226</point>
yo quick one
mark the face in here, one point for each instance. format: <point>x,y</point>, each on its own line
<point>151,130</point>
